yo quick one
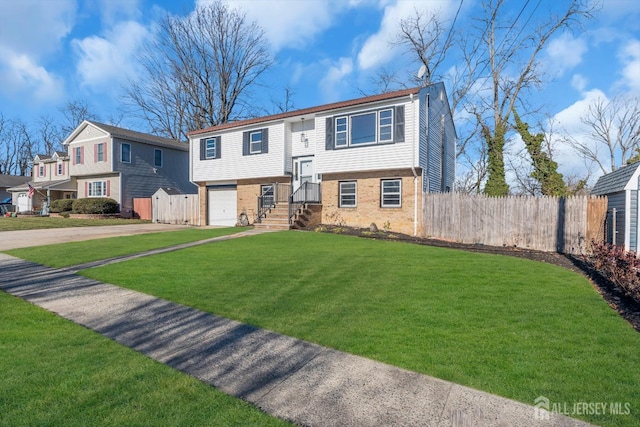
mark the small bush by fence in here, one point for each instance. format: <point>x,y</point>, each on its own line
<point>619,267</point>
<point>548,224</point>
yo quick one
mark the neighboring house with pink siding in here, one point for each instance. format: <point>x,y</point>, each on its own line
<point>107,161</point>
<point>355,162</point>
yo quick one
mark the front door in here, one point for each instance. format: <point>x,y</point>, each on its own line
<point>303,172</point>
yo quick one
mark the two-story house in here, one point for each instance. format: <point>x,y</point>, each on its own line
<point>108,161</point>
<point>50,179</point>
<point>360,161</point>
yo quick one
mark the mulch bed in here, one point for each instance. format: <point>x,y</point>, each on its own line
<point>625,306</point>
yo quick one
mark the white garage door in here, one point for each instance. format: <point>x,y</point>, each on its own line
<point>223,206</point>
<point>23,203</point>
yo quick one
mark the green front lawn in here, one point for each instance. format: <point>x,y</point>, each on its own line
<point>66,254</point>
<point>509,326</point>
<point>55,373</point>
<point>28,222</point>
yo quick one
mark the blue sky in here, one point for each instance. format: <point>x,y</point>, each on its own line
<point>54,51</point>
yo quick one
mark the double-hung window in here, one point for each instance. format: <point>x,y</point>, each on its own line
<point>341,131</point>
<point>125,153</point>
<point>157,158</point>
<point>255,142</point>
<point>385,125</point>
<point>100,152</point>
<point>97,188</point>
<point>78,155</point>
<point>60,169</point>
<point>347,194</point>
<point>391,193</point>
<point>41,170</point>
<point>210,148</point>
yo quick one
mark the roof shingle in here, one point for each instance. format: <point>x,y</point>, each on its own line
<point>615,181</point>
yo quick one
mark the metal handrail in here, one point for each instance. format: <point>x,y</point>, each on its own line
<point>308,192</point>
<point>276,193</point>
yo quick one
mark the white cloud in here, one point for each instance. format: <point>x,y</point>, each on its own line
<point>35,27</point>
<point>22,74</point>
<point>109,59</point>
<point>630,59</point>
<point>376,50</point>
<point>22,46</point>
<point>579,82</point>
<point>114,11</point>
<point>334,79</point>
<point>564,53</point>
<point>288,23</point>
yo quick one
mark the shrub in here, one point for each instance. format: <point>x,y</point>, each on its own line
<point>618,266</point>
<point>95,205</point>
<point>61,205</point>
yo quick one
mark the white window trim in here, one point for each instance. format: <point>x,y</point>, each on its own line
<point>375,128</point>
<point>251,142</point>
<point>155,165</point>
<point>206,148</point>
<point>345,131</point>
<point>100,151</point>
<point>92,190</point>
<point>78,155</point>
<point>355,194</point>
<point>40,171</point>
<point>122,152</point>
<point>390,125</point>
<point>382,193</point>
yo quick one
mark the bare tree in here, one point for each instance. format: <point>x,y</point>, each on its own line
<point>198,70</point>
<point>50,134</point>
<point>510,58</point>
<point>426,39</point>
<point>16,147</point>
<point>74,112</point>
<point>285,104</point>
<point>614,130</point>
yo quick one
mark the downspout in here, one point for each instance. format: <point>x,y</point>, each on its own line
<point>415,174</point>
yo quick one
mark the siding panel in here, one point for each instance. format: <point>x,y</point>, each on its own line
<point>233,165</point>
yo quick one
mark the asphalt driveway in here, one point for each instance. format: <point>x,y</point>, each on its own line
<point>49,236</point>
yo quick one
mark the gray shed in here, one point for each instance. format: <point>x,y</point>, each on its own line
<point>621,188</point>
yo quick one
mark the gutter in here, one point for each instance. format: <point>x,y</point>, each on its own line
<point>415,174</point>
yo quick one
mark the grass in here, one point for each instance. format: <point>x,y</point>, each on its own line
<point>57,373</point>
<point>23,222</point>
<point>509,326</point>
<point>67,254</point>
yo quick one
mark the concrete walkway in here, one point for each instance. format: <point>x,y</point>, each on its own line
<point>289,378</point>
<point>50,236</point>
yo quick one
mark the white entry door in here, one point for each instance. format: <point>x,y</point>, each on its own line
<point>303,172</point>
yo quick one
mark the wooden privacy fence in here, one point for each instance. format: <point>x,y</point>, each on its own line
<point>176,208</point>
<point>142,208</point>
<point>550,224</point>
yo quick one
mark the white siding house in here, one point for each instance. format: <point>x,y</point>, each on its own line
<point>359,161</point>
